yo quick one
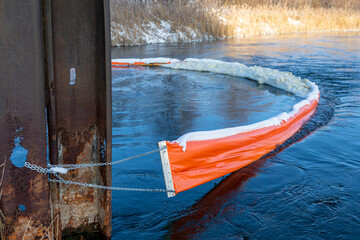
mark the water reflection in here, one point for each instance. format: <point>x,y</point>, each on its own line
<point>219,201</point>
<point>174,102</point>
<point>309,190</point>
<point>225,198</point>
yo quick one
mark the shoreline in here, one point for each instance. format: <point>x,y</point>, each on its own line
<point>157,22</point>
<point>265,36</point>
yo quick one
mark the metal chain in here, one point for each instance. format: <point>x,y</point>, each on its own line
<point>10,228</point>
<point>77,166</point>
<point>36,168</point>
<point>107,187</point>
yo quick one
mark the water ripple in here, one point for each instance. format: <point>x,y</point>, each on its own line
<point>307,188</point>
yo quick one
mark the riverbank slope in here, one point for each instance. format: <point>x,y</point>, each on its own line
<point>146,22</point>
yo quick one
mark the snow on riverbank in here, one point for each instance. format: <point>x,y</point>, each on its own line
<point>152,32</point>
<point>138,23</point>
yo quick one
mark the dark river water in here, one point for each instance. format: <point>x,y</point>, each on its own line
<point>308,188</point>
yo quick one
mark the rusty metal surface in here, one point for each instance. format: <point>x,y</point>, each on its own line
<point>77,34</point>
<point>22,121</point>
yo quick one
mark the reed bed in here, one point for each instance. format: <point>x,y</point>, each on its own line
<point>244,20</point>
<point>143,22</point>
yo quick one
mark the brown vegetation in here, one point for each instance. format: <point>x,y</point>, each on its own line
<point>138,22</point>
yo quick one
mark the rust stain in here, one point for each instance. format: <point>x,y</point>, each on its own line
<point>81,208</point>
<point>22,115</point>
<point>76,195</point>
<point>27,228</point>
<point>80,114</point>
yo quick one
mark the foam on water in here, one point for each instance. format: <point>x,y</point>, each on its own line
<point>282,80</point>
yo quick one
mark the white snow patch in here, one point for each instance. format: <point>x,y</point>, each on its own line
<point>151,32</point>
<point>222,19</point>
<point>266,29</point>
<point>166,26</point>
<point>294,22</point>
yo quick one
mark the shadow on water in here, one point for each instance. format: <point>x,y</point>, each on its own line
<point>202,214</point>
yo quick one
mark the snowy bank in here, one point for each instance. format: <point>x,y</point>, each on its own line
<point>137,23</point>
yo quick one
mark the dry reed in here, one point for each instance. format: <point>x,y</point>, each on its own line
<point>141,22</point>
<point>134,22</point>
<point>244,21</point>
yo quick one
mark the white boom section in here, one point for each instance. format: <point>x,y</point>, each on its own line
<point>166,169</point>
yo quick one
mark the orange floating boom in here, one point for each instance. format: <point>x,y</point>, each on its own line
<point>199,157</point>
<point>137,64</point>
<point>140,62</point>
<point>207,160</point>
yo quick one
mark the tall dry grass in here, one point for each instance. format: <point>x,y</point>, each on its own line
<point>135,22</point>
<point>141,22</point>
<point>347,4</point>
<point>244,20</point>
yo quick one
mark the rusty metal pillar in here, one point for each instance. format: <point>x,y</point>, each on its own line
<point>55,65</point>
<point>24,194</point>
<point>77,35</point>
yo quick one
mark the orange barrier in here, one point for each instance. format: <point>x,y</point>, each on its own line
<point>200,157</point>
<point>140,67</point>
<point>207,160</point>
<point>123,64</point>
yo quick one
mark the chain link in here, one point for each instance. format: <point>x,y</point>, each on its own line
<point>10,227</point>
<point>107,187</point>
<point>77,166</point>
<point>59,179</point>
<point>36,168</point>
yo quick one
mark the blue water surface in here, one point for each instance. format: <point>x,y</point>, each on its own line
<point>307,189</point>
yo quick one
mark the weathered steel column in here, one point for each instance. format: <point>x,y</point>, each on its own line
<point>22,122</point>
<point>77,35</point>
<point>54,59</point>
